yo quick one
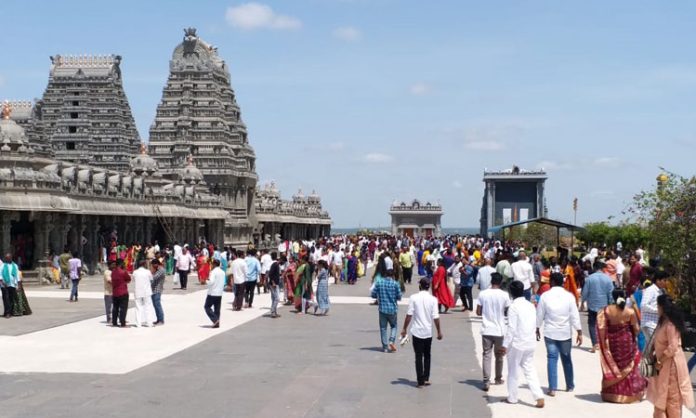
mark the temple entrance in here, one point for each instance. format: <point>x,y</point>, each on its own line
<point>22,241</point>
<point>160,235</point>
<point>408,232</point>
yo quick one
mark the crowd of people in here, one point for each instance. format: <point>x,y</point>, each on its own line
<point>633,323</point>
<point>522,294</point>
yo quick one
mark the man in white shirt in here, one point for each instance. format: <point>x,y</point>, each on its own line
<point>519,344</point>
<point>177,249</point>
<point>484,275</point>
<point>492,306</point>
<point>144,309</point>
<point>522,271</point>
<point>648,305</point>
<point>422,311</point>
<point>337,265</point>
<point>239,270</point>
<point>557,313</point>
<point>265,266</point>
<point>183,266</point>
<point>455,272</point>
<point>216,285</point>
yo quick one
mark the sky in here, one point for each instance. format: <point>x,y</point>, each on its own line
<point>371,101</point>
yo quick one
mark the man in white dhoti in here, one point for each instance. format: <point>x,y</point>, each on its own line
<point>144,310</point>
<point>519,344</point>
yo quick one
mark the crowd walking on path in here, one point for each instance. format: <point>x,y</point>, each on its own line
<point>523,295</point>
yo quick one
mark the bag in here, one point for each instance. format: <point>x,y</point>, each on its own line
<point>175,281</point>
<point>648,359</point>
<point>647,366</point>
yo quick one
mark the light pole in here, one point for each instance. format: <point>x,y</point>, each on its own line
<point>575,221</point>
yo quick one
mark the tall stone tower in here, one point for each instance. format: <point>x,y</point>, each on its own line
<point>84,114</point>
<point>199,116</point>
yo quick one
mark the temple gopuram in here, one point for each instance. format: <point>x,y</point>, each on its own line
<point>74,172</point>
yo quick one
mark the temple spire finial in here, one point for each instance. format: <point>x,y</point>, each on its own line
<point>6,110</point>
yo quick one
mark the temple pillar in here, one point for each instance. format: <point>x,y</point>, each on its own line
<point>176,230</point>
<point>148,231</point>
<point>82,241</point>
<point>6,231</point>
<point>490,203</point>
<point>49,226</point>
<point>67,228</point>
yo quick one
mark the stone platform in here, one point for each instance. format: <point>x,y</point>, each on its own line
<point>71,364</point>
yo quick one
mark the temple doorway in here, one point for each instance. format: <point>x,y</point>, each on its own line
<point>22,241</point>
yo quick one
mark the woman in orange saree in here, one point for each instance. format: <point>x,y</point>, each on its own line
<point>570,284</point>
<point>203,266</point>
<point>617,328</point>
<point>130,259</point>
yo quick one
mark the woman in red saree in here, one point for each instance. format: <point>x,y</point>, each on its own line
<point>617,328</point>
<point>440,289</point>
<point>203,267</point>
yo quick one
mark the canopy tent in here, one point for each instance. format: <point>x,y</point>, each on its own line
<point>500,229</point>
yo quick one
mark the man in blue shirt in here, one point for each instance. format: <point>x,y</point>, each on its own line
<point>388,293</point>
<point>467,285</point>
<point>253,269</point>
<point>597,293</point>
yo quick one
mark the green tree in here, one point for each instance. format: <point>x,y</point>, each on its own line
<point>669,214</point>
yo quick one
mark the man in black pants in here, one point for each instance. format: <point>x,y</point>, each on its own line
<point>216,286</point>
<point>422,312</point>
<point>253,271</point>
<point>119,283</point>
<point>183,266</point>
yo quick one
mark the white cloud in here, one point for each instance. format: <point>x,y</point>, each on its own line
<point>347,33</point>
<point>250,16</point>
<point>375,157</point>
<point>457,184</point>
<point>488,145</point>
<point>420,89</point>
<point>607,162</point>
<point>554,166</point>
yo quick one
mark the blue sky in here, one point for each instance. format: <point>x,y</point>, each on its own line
<point>368,101</point>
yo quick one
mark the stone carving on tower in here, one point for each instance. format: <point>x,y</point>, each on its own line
<point>28,115</point>
<point>199,116</point>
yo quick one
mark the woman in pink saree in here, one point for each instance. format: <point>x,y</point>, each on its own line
<point>617,330</point>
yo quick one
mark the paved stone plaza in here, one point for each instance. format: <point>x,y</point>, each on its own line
<point>64,361</point>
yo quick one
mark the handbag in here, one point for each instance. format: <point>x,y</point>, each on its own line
<point>648,359</point>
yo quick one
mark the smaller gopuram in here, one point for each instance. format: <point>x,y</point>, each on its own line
<point>415,219</point>
<point>84,114</point>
